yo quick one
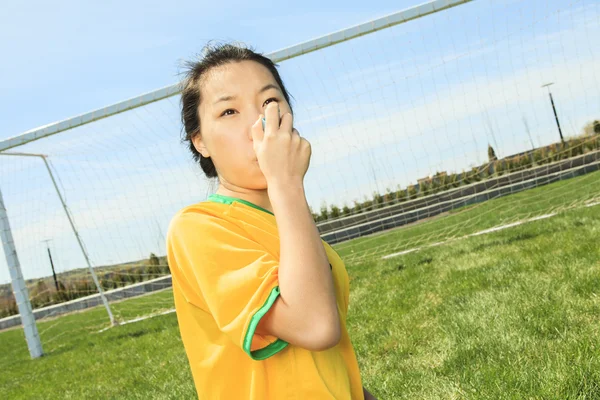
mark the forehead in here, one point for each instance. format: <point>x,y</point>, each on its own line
<point>235,78</point>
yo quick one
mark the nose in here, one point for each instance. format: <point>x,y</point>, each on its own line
<point>252,119</point>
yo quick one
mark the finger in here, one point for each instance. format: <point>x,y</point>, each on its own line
<point>257,132</point>
<point>272,118</point>
<point>287,122</point>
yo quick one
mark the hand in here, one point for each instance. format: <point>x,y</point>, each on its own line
<point>283,156</point>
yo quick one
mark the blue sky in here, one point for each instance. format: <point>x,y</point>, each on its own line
<point>65,58</point>
<point>380,111</point>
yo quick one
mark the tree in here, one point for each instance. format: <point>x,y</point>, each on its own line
<point>591,128</point>
<point>324,212</point>
<point>412,192</point>
<point>335,212</point>
<point>153,260</point>
<point>491,154</point>
<point>346,210</point>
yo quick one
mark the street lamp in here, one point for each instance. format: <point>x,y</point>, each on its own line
<point>52,265</point>
<point>554,108</point>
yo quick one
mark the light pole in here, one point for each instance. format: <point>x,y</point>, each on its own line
<point>52,265</point>
<point>554,108</point>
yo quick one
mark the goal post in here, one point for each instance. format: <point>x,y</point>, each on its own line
<point>416,119</point>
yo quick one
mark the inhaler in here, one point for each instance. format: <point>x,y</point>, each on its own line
<point>264,121</point>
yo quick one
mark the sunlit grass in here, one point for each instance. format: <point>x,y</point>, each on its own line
<point>512,314</point>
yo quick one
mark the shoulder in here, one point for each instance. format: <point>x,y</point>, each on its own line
<point>207,220</point>
<point>202,213</point>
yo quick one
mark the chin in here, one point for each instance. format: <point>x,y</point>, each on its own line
<point>256,182</point>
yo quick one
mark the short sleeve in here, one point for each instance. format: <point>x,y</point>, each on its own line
<point>237,277</point>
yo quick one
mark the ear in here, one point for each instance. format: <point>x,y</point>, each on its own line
<point>200,147</point>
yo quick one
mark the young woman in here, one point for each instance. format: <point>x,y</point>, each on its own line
<point>261,300</point>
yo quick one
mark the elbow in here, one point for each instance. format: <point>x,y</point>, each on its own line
<point>333,339</point>
<point>330,336</point>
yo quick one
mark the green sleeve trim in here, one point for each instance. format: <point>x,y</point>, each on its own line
<point>272,348</point>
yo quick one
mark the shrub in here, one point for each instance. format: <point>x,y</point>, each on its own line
<point>40,295</point>
<point>564,151</point>
<point>346,210</point>
<point>153,260</point>
<point>435,186</point>
<point>106,280</point>
<point>551,156</point>
<point>474,175</point>
<point>576,147</point>
<point>453,180</point>
<point>389,197</point>
<point>517,163</point>
<point>377,200</point>
<point>357,207</point>
<point>425,187</point>
<point>71,290</point>
<point>83,287</point>
<point>412,192</point>
<point>444,181</point>
<point>553,152</point>
<point>8,306</point>
<point>62,294</point>
<point>465,178</point>
<point>499,167</point>
<point>588,144</point>
<point>401,195</point>
<point>485,172</point>
<point>525,161</point>
<point>324,213</point>
<point>538,156</point>
<point>335,212</point>
<point>509,165</point>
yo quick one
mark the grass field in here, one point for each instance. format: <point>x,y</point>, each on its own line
<point>513,314</point>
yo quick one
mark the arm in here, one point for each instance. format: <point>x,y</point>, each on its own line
<point>305,314</point>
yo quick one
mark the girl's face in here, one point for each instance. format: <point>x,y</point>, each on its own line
<point>233,96</point>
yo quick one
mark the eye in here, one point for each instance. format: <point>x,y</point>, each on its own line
<point>272,98</point>
<point>224,112</point>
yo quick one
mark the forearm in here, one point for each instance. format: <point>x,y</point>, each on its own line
<point>305,279</point>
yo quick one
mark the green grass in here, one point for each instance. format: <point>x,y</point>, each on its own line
<point>499,211</point>
<point>510,315</point>
<point>513,314</point>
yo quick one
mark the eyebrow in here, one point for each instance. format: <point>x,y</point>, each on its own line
<point>264,89</point>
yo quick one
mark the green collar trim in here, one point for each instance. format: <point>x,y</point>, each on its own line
<point>219,198</point>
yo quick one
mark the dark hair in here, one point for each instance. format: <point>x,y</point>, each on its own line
<point>214,56</point>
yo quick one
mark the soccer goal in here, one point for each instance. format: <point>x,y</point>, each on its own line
<point>433,113</point>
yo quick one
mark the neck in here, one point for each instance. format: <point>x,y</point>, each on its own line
<point>259,197</point>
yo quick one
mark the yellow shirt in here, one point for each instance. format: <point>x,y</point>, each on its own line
<point>224,259</point>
